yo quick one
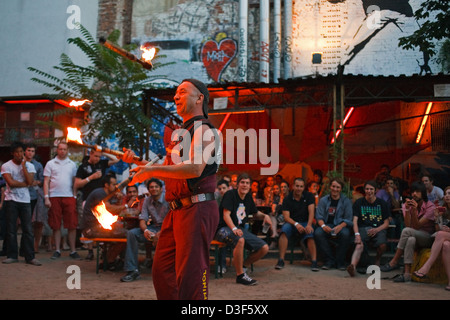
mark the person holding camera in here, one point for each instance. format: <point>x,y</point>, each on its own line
<point>419,218</point>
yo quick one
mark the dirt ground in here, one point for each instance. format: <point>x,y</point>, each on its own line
<point>20,281</point>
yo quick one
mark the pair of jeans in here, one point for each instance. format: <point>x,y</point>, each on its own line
<point>342,240</point>
<point>134,237</point>
<point>22,211</point>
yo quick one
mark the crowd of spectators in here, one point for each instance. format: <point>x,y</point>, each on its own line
<point>334,223</point>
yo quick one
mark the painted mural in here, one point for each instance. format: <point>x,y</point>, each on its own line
<point>352,36</point>
<point>357,37</point>
<point>216,56</point>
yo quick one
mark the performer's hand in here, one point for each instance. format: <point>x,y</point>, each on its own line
<point>128,155</point>
<point>139,174</point>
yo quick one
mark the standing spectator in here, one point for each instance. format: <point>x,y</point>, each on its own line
<point>154,210</point>
<point>418,213</point>
<point>237,205</point>
<point>434,193</point>
<point>334,216</point>
<point>36,194</point>
<point>89,173</point>
<point>60,198</point>
<point>298,211</point>
<point>18,174</point>
<point>370,222</point>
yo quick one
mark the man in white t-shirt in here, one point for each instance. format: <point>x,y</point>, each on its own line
<point>60,198</point>
<point>18,174</point>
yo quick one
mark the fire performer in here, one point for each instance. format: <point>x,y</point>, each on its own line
<point>181,261</point>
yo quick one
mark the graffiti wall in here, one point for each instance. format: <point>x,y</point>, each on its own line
<point>360,36</point>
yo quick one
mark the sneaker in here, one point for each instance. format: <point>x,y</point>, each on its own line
<point>131,276</point>
<point>75,255</point>
<point>387,267</point>
<point>56,255</point>
<point>314,266</point>
<point>34,262</point>
<point>280,264</point>
<point>245,280</point>
<point>10,260</point>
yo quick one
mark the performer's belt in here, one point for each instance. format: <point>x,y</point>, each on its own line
<point>184,202</point>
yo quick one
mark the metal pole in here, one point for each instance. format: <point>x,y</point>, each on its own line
<point>277,40</point>
<point>287,47</point>
<point>243,35</point>
<point>264,51</point>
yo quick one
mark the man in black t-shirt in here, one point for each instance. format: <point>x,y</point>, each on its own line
<point>298,211</point>
<point>91,170</point>
<point>236,207</point>
<point>370,223</point>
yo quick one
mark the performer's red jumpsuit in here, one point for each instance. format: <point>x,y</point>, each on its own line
<point>181,261</point>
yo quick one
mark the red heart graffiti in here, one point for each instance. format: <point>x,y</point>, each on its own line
<point>217,56</point>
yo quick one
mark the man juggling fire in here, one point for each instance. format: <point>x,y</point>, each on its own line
<point>181,262</point>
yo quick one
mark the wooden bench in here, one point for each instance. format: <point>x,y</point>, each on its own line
<point>99,241</point>
<point>437,272</point>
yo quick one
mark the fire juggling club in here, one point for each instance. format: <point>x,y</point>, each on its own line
<point>124,53</point>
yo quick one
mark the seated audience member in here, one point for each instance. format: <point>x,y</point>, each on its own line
<point>434,193</point>
<point>313,187</point>
<point>441,242</point>
<point>370,223</point>
<point>268,191</point>
<point>222,188</point>
<point>418,214</point>
<point>298,212</point>
<point>154,210</point>
<point>389,194</point>
<point>334,217</point>
<point>237,205</point>
<point>257,193</point>
<point>276,201</point>
<point>90,226</point>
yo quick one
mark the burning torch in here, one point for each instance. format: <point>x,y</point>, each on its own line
<point>74,138</point>
<point>147,56</point>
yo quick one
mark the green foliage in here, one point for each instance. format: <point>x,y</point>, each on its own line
<point>114,85</point>
<point>437,28</point>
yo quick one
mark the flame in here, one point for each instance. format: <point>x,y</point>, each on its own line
<point>73,134</point>
<point>148,53</point>
<point>78,103</point>
<point>104,217</point>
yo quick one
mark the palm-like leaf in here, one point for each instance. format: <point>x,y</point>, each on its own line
<point>111,82</point>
